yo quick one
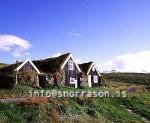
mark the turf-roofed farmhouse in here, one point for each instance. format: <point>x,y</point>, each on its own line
<point>65,67</point>
<point>92,74</point>
<point>39,73</point>
<point>25,73</point>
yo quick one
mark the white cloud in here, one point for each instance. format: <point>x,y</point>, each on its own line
<point>57,54</point>
<point>131,62</point>
<point>15,45</point>
<point>74,33</point>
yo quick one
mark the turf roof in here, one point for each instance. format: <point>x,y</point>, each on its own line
<point>85,66</point>
<point>50,65</point>
<point>3,65</point>
<point>8,70</point>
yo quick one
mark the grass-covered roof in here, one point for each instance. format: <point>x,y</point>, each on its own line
<point>49,65</point>
<point>3,65</point>
<point>8,70</point>
<point>85,66</point>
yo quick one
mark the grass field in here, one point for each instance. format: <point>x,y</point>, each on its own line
<point>139,103</point>
<point>86,110</point>
<point>98,110</point>
<point>132,78</point>
<point>80,109</point>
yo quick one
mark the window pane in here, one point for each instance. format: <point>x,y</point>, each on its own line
<point>95,79</point>
<point>70,65</point>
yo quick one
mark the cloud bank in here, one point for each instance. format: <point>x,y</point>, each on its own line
<point>14,45</point>
<point>131,62</point>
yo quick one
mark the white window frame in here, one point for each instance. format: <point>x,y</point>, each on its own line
<point>73,81</point>
<point>95,79</point>
<point>89,81</point>
<point>70,65</point>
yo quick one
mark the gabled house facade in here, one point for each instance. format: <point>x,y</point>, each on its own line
<point>41,71</point>
<point>65,67</point>
<point>23,72</point>
<point>92,74</point>
<point>27,67</point>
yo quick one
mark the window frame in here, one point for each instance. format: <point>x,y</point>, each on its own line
<point>95,79</point>
<point>73,80</point>
<point>70,65</point>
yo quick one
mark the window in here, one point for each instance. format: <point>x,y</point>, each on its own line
<point>70,65</point>
<point>93,68</point>
<point>95,79</point>
<point>72,80</point>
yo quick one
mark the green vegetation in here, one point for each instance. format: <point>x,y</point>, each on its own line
<point>80,109</point>
<point>112,110</point>
<point>133,78</point>
<point>17,91</point>
<point>67,110</point>
<point>3,65</point>
<point>71,110</point>
<point>13,113</point>
<point>139,103</point>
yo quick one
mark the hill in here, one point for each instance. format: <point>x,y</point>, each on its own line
<point>133,78</point>
<point>73,110</point>
<point>3,65</point>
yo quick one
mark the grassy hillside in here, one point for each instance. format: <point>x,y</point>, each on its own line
<point>74,110</point>
<point>3,65</point>
<point>135,108</point>
<point>70,110</point>
<point>133,78</point>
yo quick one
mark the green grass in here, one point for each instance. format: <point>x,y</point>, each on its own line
<point>13,113</point>
<point>139,103</point>
<point>23,91</point>
<point>17,91</point>
<point>70,110</point>
<point>133,78</point>
<point>3,65</point>
<point>112,110</point>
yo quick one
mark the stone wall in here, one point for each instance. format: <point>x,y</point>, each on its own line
<point>60,77</point>
<point>28,78</point>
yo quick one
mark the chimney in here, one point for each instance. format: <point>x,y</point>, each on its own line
<point>17,62</point>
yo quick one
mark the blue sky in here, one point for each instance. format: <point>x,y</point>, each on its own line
<point>98,30</point>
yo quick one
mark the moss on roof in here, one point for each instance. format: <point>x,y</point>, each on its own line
<point>8,70</point>
<point>3,65</point>
<point>49,65</point>
<point>85,66</point>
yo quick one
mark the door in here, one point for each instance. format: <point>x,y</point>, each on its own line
<point>42,81</point>
<point>89,80</point>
